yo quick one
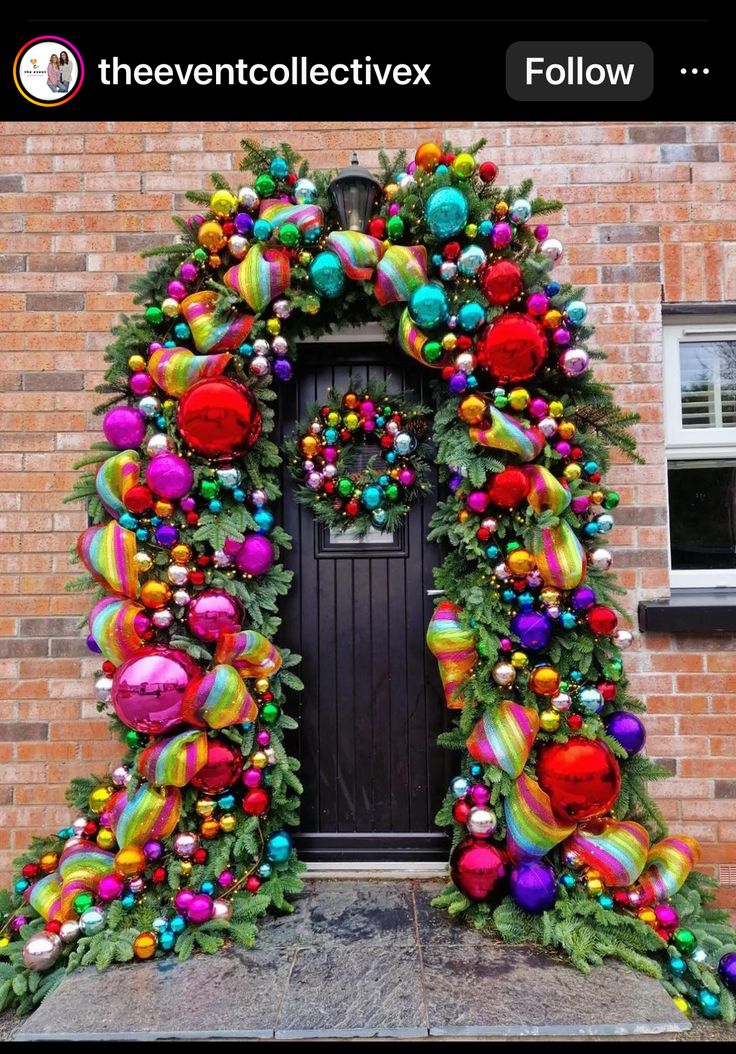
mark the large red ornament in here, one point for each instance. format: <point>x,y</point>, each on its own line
<point>581,777</point>
<point>479,870</point>
<point>224,765</point>
<point>602,620</point>
<point>508,488</point>
<point>501,282</point>
<point>218,417</point>
<point>512,348</point>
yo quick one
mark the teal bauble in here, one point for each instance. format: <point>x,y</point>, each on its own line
<point>709,1004</point>
<point>379,517</point>
<point>279,168</point>
<point>471,260</point>
<point>262,230</point>
<point>428,305</point>
<point>328,277</point>
<point>576,312</point>
<point>372,496</point>
<point>278,847</point>
<point>470,316</point>
<point>446,212</point>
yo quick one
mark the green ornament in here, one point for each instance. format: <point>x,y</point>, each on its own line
<point>132,738</point>
<point>154,315</point>
<point>613,669</point>
<point>200,255</point>
<point>289,235</point>
<point>513,546</point>
<point>684,940</point>
<point>500,402</point>
<point>432,351</point>
<point>611,500</point>
<point>395,228</point>
<point>82,902</point>
<point>265,184</point>
<point>482,649</point>
<point>392,492</point>
<point>387,410</point>
<point>344,487</point>
<point>269,713</point>
<point>209,488</point>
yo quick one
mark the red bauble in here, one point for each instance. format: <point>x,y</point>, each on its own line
<point>139,498</point>
<point>224,765</point>
<point>602,620</point>
<point>253,883</point>
<point>352,508</point>
<point>377,228</point>
<point>501,281</point>
<point>512,348</point>
<point>508,488</point>
<point>488,171</point>
<point>256,801</point>
<point>218,417</point>
<point>461,811</point>
<point>581,777</point>
<point>158,875</point>
<point>574,722</point>
<point>479,870</point>
<point>607,690</point>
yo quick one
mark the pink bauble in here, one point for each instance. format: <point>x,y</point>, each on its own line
<point>477,501</point>
<point>407,477</point>
<point>183,899</point>
<point>141,384</point>
<point>232,546</point>
<point>212,613</point>
<point>110,887</point>
<point>200,908</point>
<point>667,916</point>
<point>252,777</point>
<point>147,690</point>
<point>124,427</point>
<point>169,476</point>
<point>479,870</point>
<point>330,455</point>
<point>255,556</point>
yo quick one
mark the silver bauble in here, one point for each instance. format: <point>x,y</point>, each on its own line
<point>41,951</point>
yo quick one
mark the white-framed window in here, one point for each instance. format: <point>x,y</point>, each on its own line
<point>700,428</point>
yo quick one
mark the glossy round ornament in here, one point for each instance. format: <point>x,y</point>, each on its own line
<point>446,212</point>
<point>327,275</point>
<point>534,886</point>
<point>169,476</point>
<point>41,951</point>
<point>512,348</point>
<point>479,870</point>
<point>501,282</point>
<point>212,613</point>
<point>144,945</point>
<point>481,822</point>
<point>627,729</point>
<point>581,777</point>
<point>92,921</point>
<point>278,847</point>
<point>223,768</point>
<point>727,970</point>
<point>148,690</point>
<point>602,620</point>
<point>428,156</point>
<point>255,556</point>
<point>428,305</point>
<point>533,628</point>
<point>124,427</point>
<point>218,417</point>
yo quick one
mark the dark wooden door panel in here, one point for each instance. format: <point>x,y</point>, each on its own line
<point>372,706</point>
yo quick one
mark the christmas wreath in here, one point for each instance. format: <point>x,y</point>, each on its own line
<point>322,459</point>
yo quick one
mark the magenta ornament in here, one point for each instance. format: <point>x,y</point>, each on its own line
<point>214,612</point>
<point>255,556</point>
<point>141,384</point>
<point>200,908</point>
<point>148,690</point>
<point>169,476</point>
<point>477,501</point>
<point>183,899</point>
<point>124,427</point>
<point>110,887</point>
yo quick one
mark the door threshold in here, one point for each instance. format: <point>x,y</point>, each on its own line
<point>383,869</point>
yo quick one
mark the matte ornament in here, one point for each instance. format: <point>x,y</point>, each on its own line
<point>148,690</point>
<point>223,766</point>
<point>454,647</point>
<point>446,212</point>
<point>219,698</point>
<point>479,870</point>
<point>212,612</point>
<point>261,277</point>
<point>627,729</point>
<point>175,370</point>
<point>252,654</point>
<point>581,777</point>
<point>501,282</point>
<point>109,554</point>
<point>218,417</point>
<point>114,479</point>
<point>512,349</point>
<point>534,886</point>
<point>151,813</point>
<point>668,864</point>
<point>532,828</point>
<point>401,270</point>
<point>198,311</point>
<point>616,849</point>
<point>118,627</point>
<point>504,737</point>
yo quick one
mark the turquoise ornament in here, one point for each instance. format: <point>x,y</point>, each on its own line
<point>177,924</point>
<point>262,230</point>
<point>279,168</point>
<point>470,316</point>
<point>568,620</point>
<point>446,212</point>
<point>520,211</point>
<point>264,520</point>
<point>710,1004</point>
<point>328,277</point>
<point>428,305</point>
<point>166,940</point>
<point>576,312</point>
<point>278,847</point>
<point>590,700</point>
<point>372,496</point>
<point>459,787</point>
<point>379,517</point>
<point>265,870</point>
<point>471,260</point>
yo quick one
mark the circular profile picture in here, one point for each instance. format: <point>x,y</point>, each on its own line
<point>48,71</point>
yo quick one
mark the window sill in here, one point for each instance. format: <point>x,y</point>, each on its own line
<point>695,611</point>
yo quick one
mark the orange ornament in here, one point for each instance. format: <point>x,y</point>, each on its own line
<point>164,509</point>
<point>472,409</point>
<point>309,445</point>
<point>155,594</point>
<point>350,400</point>
<point>520,562</point>
<point>428,156</point>
<point>130,861</point>
<point>209,828</point>
<point>544,680</point>
<point>181,553</point>
<point>48,862</point>
<point>144,945</point>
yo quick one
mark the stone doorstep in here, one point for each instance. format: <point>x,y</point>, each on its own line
<point>359,959</point>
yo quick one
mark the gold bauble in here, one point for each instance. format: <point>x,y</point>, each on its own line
<point>428,156</point>
<point>262,685</point>
<point>463,516</point>
<point>572,471</point>
<point>163,508</point>
<point>98,799</point>
<point>181,553</point>
<point>48,863</point>
<point>144,946</point>
<point>566,430</point>
<point>502,208</point>
<point>390,191</point>
<point>205,807</point>
<point>556,409</point>
<point>449,341</point>
<point>472,409</point>
<point>185,867</point>
<point>210,236</point>
<point>130,861</point>
<point>136,363</point>
<point>647,915</point>
<point>209,828</point>
<point>519,659</point>
<point>223,202</point>
<point>550,596</point>
<point>273,326</point>
<point>227,822</point>
<point>518,398</point>
<point>549,720</point>
<point>520,562</point>
<point>143,562</point>
<point>155,594</point>
<point>595,886</point>
<point>552,319</point>
<point>545,680</point>
<point>105,838</point>
<point>170,307</point>
<point>259,760</point>
<point>682,1005</point>
<point>310,446</point>
<point>597,497</point>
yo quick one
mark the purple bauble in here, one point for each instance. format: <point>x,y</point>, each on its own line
<point>183,899</point>
<point>124,427</point>
<point>727,970</point>
<point>533,629</point>
<point>169,476</point>
<point>166,535</point>
<point>214,612</point>
<point>243,224</point>
<point>626,729</point>
<point>534,886</point>
<point>283,369</point>
<point>583,598</point>
<point>255,556</point>
<point>154,850</point>
<point>148,690</point>
<point>93,645</point>
<point>458,383</point>
<point>110,887</point>
<point>200,908</point>
<point>188,272</point>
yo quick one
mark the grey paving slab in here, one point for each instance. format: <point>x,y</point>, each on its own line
<point>435,927</point>
<point>371,912</point>
<point>341,990</point>
<point>502,990</point>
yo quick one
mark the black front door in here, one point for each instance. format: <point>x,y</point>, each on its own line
<point>372,706</point>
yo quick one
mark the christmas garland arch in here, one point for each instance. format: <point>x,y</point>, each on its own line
<point>186,843</point>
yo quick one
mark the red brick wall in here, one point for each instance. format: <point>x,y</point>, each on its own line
<point>650,215</point>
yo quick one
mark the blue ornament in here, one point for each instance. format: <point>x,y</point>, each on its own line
<point>472,381</point>
<point>159,924</point>
<point>567,620</point>
<point>264,520</point>
<point>160,422</point>
<point>459,787</point>
<point>476,770</point>
<point>313,235</point>
<point>552,289</point>
<point>520,211</point>
<point>590,700</point>
<point>568,881</point>
<point>390,457</point>
<point>372,496</point>
<point>246,349</point>
<point>470,316</point>
<point>278,847</point>
<point>493,552</point>
<point>166,940</point>
<point>526,600</point>
<point>441,170</point>
<point>182,331</point>
<point>446,211</point>
<point>208,888</point>
<point>678,967</point>
<point>21,885</point>
<point>383,480</point>
<point>169,344</point>
<point>227,802</point>
<point>279,168</point>
<point>591,529</point>
<point>534,886</point>
<point>590,467</point>
<point>428,305</point>
<point>331,435</point>
<point>328,277</point>
<point>129,522</point>
<point>508,596</point>
<point>265,870</point>
<point>177,924</point>
<point>215,506</point>
<point>605,901</point>
<point>471,260</point>
<point>262,230</point>
<point>576,312</point>
<point>437,260</point>
<point>142,534</point>
<point>576,676</point>
<point>128,901</point>
<point>304,191</point>
<point>485,228</point>
<point>239,495</point>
